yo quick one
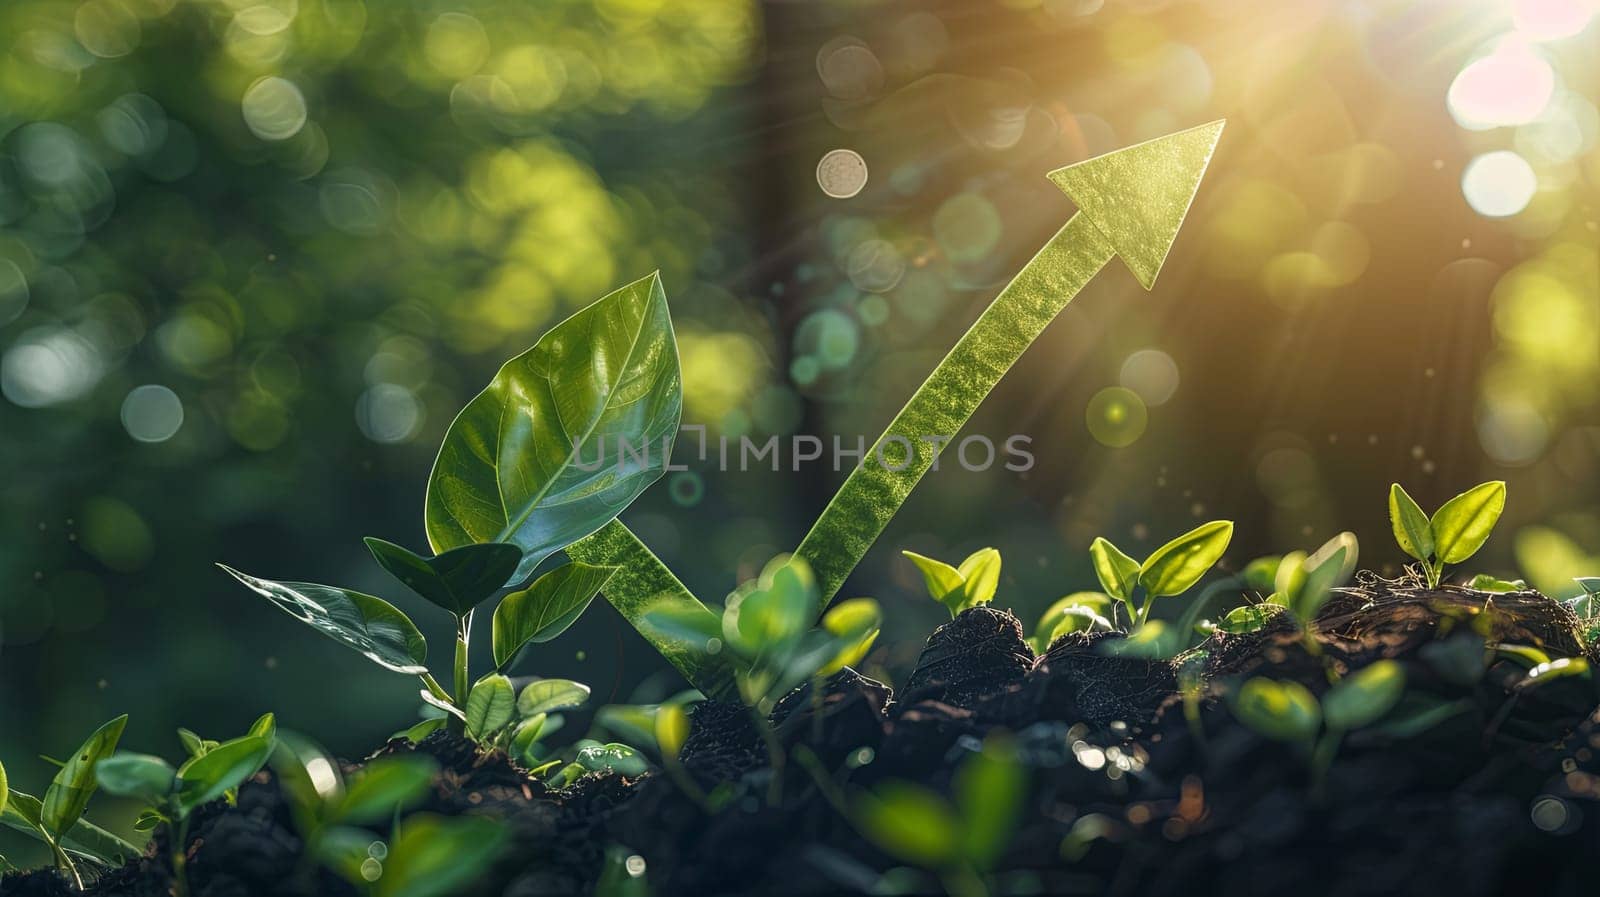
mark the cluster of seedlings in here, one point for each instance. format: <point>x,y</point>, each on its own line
<point>516,482</point>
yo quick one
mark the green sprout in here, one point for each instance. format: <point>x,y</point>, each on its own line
<point>1455,532</point>
<point>766,629</point>
<point>958,588</point>
<point>564,437</point>
<point>1171,570</point>
<point>1285,710</point>
<point>959,838</point>
<point>339,818</point>
<point>58,821</point>
<point>1077,612</point>
<point>214,770</point>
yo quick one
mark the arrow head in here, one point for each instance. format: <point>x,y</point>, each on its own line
<point>1137,196</point>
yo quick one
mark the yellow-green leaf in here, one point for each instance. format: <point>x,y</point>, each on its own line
<point>980,577</point>
<point>1411,528</point>
<point>1118,573</point>
<point>1363,697</point>
<point>1279,709</point>
<point>1179,564</point>
<point>941,579</point>
<point>911,823</point>
<point>1463,524</point>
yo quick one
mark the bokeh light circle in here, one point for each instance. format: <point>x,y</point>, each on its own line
<point>1498,184</point>
<point>1551,19</point>
<point>842,173</point>
<point>1508,87</point>
<point>1152,374</point>
<point>1116,417</point>
<point>274,109</point>
<point>152,413</point>
<point>388,413</point>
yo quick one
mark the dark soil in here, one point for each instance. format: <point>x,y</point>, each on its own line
<point>1500,798</point>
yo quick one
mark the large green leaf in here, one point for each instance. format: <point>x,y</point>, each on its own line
<point>69,792</point>
<point>538,458</point>
<point>457,580</point>
<point>372,626</point>
<point>1462,524</point>
<point>545,609</point>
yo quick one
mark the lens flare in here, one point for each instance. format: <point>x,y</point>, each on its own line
<point>1498,184</point>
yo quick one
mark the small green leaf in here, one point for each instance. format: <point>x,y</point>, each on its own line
<point>1589,584</point>
<point>5,788</point>
<point>550,695</point>
<point>422,730</point>
<point>672,622</point>
<point>671,729</point>
<point>1279,709</point>
<point>1290,579</point>
<point>989,788</point>
<point>1326,569</point>
<point>910,822</point>
<point>1179,564</point>
<point>1260,575</point>
<point>385,785</point>
<point>372,626</point>
<point>777,610</point>
<point>855,625</point>
<point>457,580</point>
<point>1463,524</point>
<point>1411,528</point>
<point>538,458</point>
<point>1078,612</point>
<point>434,856</point>
<point>265,726</point>
<point>1545,673</point>
<point>1248,618</point>
<point>1118,573</point>
<point>617,757</point>
<point>140,776</point>
<point>545,609</point>
<point>980,578</point>
<point>489,706</point>
<point>204,779</point>
<point>1485,582</point>
<point>941,579</point>
<point>193,745</point>
<point>70,790</point>
<point>525,736</point>
<point>1363,697</point>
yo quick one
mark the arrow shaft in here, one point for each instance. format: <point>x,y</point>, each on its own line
<point>874,491</point>
<point>643,581</point>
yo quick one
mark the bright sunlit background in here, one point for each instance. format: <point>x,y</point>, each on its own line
<point>255,253</point>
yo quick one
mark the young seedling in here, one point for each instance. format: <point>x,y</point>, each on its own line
<point>340,819</point>
<point>958,588</point>
<point>1454,533</point>
<point>172,795</point>
<point>1305,582</point>
<point>58,821</point>
<point>1171,570</point>
<point>1077,612</point>
<point>959,838</point>
<point>561,441</point>
<point>1285,710</point>
<point>766,628</point>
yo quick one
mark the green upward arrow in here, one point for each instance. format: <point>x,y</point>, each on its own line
<point>1131,203</point>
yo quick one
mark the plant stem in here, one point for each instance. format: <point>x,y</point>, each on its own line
<point>807,759</point>
<point>65,861</point>
<point>434,688</point>
<point>775,756</point>
<point>179,833</point>
<point>1321,760</point>
<point>463,685</point>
